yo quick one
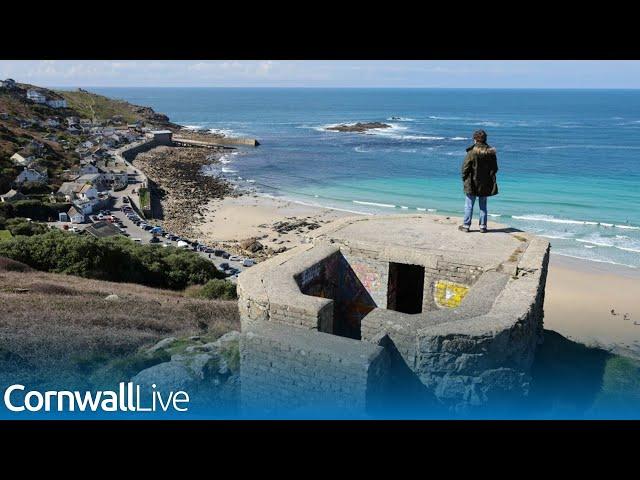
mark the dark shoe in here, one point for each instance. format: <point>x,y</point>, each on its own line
<point>463,228</point>
<point>483,229</point>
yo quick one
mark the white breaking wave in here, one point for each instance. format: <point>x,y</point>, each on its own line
<point>618,242</point>
<point>592,259</point>
<point>374,204</point>
<point>459,138</point>
<point>401,119</point>
<point>421,137</point>
<point>552,219</point>
<point>227,158</point>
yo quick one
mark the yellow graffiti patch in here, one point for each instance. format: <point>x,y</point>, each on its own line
<point>449,294</point>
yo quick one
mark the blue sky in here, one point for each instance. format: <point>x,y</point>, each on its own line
<point>326,73</point>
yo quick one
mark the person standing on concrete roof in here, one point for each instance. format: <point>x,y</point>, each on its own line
<point>479,171</point>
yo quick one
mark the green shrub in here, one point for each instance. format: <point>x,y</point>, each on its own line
<point>34,209</point>
<point>215,289</point>
<point>21,226</point>
<point>115,259</point>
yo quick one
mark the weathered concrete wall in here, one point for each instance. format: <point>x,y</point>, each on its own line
<point>290,372</point>
<point>477,352</point>
<point>129,152</point>
<point>252,142</point>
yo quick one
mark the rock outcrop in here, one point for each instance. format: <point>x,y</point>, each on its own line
<point>204,367</point>
<point>358,127</point>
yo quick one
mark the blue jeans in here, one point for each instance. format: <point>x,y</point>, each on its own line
<point>468,210</point>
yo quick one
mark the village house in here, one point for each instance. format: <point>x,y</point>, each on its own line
<point>88,168</point>
<point>57,103</point>
<point>52,123</point>
<point>95,179</point>
<point>85,207</point>
<point>9,83</point>
<point>33,173</point>
<point>88,192</point>
<point>118,178</point>
<point>74,129</point>
<point>75,216</point>
<point>73,121</point>
<point>12,196</point>
<point>22,158</point>
<point>111,141</point>
<point>68,190</point>
<point>36,96</point>
<point>99,151</point>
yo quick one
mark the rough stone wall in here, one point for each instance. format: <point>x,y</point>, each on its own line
<point>486,360</point>
<point>290,372</point>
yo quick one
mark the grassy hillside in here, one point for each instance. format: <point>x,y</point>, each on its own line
<point>98,107</point>
<point>60,328</point>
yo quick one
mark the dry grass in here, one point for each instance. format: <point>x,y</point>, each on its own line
<point>48,322</point>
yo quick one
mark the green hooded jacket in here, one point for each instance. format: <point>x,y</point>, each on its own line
<point>479,171</point>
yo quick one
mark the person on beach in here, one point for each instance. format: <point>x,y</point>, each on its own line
<point>479,171</point>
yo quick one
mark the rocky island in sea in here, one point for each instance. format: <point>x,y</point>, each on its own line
<point>358,127</point>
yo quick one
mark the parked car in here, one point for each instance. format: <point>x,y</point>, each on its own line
<point>139,240</point>
<point>224,266</point>
<point>125,199</point>
<point>218,252</point>
<point>248,262</point>
<point>225,255</point>
<point>235,258</point>
<point>154,240</point>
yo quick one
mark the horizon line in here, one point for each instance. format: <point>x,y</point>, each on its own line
<point>337,87</point>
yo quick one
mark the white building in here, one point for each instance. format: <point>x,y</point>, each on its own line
<point>33,175</point>
<point>75,215</point>
<point>85,206</point>
<point>57,103</point>
<point>36,96</point>
<point>20,159</point>
<point>88,192</point>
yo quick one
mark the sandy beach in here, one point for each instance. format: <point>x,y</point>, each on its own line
<point>580,296</point>
<point>277,224</point>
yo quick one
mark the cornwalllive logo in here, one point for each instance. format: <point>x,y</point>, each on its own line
<point>127,398</point>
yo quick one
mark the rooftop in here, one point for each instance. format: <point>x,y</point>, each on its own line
<point>102,230</point>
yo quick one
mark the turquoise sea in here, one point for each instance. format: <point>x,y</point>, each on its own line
<point>569,159</point>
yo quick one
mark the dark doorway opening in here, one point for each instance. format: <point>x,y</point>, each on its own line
<point>406,288</point>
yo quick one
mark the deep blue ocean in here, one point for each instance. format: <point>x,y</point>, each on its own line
<point>569,159</point>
